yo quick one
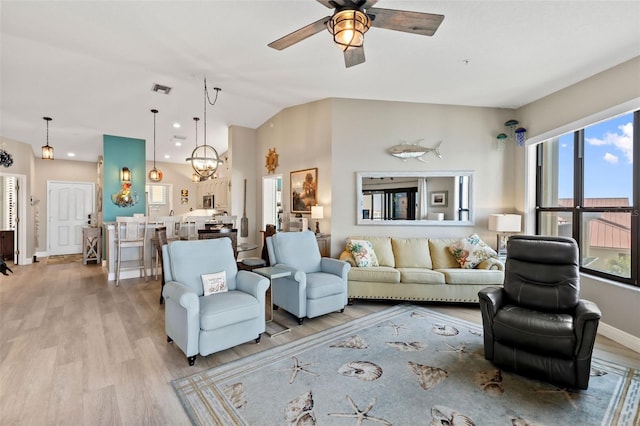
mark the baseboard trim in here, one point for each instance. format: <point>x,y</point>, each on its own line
<point>625,339</point>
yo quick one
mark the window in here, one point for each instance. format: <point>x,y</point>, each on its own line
<point>585,190</point>
<point>157,194</point>
<point>390,204</point>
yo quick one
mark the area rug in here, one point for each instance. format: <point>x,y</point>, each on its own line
<point>406,365</point>
<point>64,258</point>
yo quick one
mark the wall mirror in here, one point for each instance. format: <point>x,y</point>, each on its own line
<point>440,198</point>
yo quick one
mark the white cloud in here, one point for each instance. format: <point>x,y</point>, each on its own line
<point>623,141</point>
<point>610,158</point>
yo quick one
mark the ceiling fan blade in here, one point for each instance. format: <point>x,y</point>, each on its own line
<point>301,34</point>
<point>406,21</point>
<point>353,56</point>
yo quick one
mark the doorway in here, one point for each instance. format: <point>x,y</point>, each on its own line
<point>272,208</point>
<point>69,207</point>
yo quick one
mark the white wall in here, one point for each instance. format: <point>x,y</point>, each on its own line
<point>242,156</point>
<point>363,131</point>
<point>301,136</point>
<point>561,112</point>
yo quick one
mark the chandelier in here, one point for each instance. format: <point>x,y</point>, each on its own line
<point>195,177</point>
<point>155,175</point>
<point>204,158</point>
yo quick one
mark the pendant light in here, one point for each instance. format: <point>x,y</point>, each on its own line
<point>47,151</point>
<point>196,177</point>
<point>155,175</point>
<point>205,159</point>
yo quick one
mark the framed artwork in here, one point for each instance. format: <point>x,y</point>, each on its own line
<point>304,188</point>
<point>438,198</point>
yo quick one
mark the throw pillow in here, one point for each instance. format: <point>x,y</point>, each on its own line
<point>214,283</point>
<point>362,252</point>
<point>471,251</point>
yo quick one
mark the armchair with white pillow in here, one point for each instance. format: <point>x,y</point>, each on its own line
<point>232,315</point>
<point>317,285</point>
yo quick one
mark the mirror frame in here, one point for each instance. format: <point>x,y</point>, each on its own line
<point>417,174</point>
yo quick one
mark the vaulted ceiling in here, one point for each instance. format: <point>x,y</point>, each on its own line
<point>91,65</point>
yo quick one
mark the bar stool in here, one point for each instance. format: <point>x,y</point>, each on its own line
<point>169,224</point>
<point>131,232</point>
<point>160,240</point>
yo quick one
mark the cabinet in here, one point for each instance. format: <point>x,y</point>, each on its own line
<point>324,244</point>
<point>6,245</point>
<point>91,244</point>
<point>219,188</point>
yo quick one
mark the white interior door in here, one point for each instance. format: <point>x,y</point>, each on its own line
<point>271,200</point>
<point>70,204</point>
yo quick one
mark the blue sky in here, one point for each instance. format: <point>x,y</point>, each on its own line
<point>608,160</point>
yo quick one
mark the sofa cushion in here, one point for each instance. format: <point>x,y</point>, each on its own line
<point>411,252</point>
<point>421,276</point>
<point>382,247</point>
<point>379,274</point>
<point>471,251</point>
<point>363,253</point>
<point>441,257</point>
<point>473,276</point>
<point>223,309</point>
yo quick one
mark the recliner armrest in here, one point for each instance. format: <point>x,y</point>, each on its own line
<point>296,274</point>
<point>587,317</point>
<point>252,283</point>
<point>587,310</point>
<point>493,298</point>
<point>334,266</point>
<point>185,296</point>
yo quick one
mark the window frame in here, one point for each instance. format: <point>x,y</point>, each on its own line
<point>577,210</point>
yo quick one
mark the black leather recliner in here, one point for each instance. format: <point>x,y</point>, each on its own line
<point>537,325</point>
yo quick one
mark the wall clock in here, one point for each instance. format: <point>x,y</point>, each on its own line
<point>271,160</point>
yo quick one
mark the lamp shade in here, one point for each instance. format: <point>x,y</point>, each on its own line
<point>504,222</point>
<point>317,212</point>
<point>125,175</point>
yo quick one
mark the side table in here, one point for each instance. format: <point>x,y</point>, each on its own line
<point>91,244</point>
<point>272,272</point>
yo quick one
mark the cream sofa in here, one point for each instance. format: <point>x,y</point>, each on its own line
<point>420,269</point>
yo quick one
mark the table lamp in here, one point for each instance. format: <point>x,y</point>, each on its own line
<point>317,212</point>
<point>504,223</point>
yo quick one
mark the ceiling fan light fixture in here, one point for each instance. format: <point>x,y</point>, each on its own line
<point>348,27</point>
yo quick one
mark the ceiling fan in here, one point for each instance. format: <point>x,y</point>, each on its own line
<point>352,18</point>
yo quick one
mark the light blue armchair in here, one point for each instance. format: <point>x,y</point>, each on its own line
<point>317,285</point>
<point>201,324</point>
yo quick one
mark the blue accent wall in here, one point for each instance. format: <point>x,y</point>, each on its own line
<point>122,152</point>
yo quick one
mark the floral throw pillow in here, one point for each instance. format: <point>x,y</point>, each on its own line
<point>362,252</point>
<point>471,251</point>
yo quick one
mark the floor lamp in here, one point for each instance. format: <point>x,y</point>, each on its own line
<point>503,224</point>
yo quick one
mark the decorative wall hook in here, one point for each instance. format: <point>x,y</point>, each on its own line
<point>515,133</point>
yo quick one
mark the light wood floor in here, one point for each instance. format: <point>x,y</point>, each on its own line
<point>77,350</point>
